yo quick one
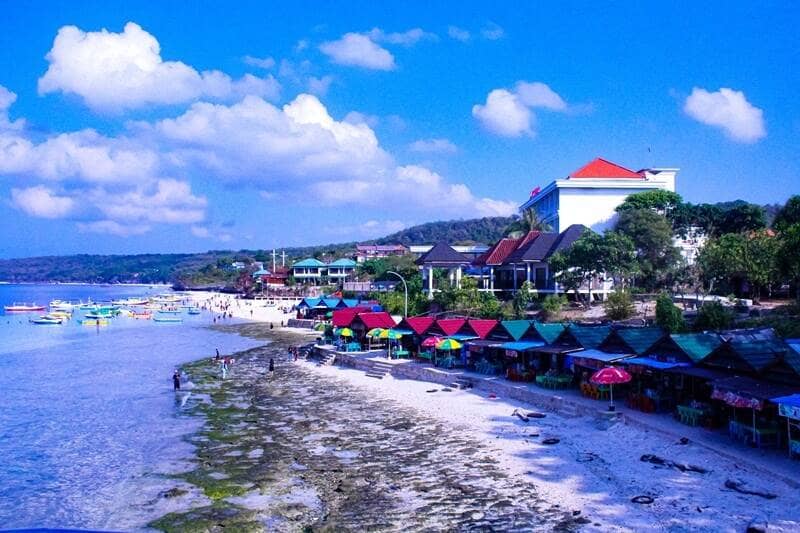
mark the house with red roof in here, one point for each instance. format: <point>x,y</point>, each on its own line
<point>589,195</point>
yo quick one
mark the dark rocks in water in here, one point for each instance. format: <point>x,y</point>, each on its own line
<point>643,499</point>
<point>432,390</point>
<point>534,414</point>
<point>551,440</point>
<point>173,492</point>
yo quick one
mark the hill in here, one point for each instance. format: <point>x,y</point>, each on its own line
<point>209,268</point>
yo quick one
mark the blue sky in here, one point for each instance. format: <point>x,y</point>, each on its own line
<point>207,126</point>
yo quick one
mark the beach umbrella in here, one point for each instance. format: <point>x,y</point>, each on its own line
<point>375,333</point>
<point>609,376</point>
<point>430,342</point>
<point>448,344</point>
<point>320,327</point>
<point>345,332</point>
<point>390,334</point>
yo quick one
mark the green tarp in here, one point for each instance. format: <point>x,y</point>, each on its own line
<point>549,332</point>
<point>696,345</point>
<point>640,339</point>
<point>516,328</point>
<point>590,336</point>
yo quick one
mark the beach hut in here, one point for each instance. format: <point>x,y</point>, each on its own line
<point>586,337</point>
<point>363,322</point>
<point>446,327</point>
<point>789,407</point>
<point>746,356</point>
<point>632,340</point>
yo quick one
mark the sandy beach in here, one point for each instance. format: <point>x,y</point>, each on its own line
<point>585,481</point>
<point>255,310</point>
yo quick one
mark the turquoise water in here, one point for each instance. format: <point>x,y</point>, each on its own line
<point>88,418</point>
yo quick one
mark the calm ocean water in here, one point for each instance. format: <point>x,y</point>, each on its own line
<point>88,418</point>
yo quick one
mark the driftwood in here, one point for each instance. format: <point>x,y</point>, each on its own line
<point>656,460</point>
<point>738,487</point>
<point>534,414</point>
<point>520,416</point>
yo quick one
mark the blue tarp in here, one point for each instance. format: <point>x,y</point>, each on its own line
<point>308,302</point>
<point>652,363</point>
<point>350,302</point>
<point>792,399</point>
<point>521,346</point>
<point>403,331</point>
<point>462,337</point>
<point>597,355</point>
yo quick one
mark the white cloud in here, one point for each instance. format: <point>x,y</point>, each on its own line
<point>112,227</point>
<point>260,62</point>
<point>42,202</point>
<point>493,31</point>
<point>7,99</point>
<point>510,114</point>
<point>201,232</point>
<point>729,110</point>
<point>406,38</point>
<point>319,86</point>
<point>366,230</point>
<point>459,34</point>
<point>442,146</point>
<point>118,71</point>
<point>355,49</point>
<point>166,201</point>
<point>355,117</point>
<point>504,114</point>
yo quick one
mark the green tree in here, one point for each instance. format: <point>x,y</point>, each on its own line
<point>753,257</point>
<point>789,215</point>
<point>619,305</point>
<point>760,260</point>
<point>668,315</point>
<point>580,263</point>
<point>788,257</point>
<point>522,299</point>
<point>713,316</point>
<point>529,221</point>
<point>660,201</point>
<point>651,234</point>
<point>742,218</point>
<point>618,257</point>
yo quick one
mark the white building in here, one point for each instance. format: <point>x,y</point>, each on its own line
<point>589,195</point>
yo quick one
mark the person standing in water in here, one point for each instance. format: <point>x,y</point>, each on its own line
<point>271,368</point>
<point>176,380</point>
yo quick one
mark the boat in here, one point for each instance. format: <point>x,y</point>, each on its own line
<point>63,315</point>
<point>94,322</point>
<point>170,311</point>
<point>23,308</point>
<point>46,320</point>
<point>194,311</point>
<point>61,305</point>
<point>173,319</point>
<point>143,316</point>
<point>96,315</point>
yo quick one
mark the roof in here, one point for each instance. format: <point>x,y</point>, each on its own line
<point>450,326</point>
<point>331,303</point>
<point>549,332</point>
<point>307,263</point>
<point>653,363</point>
<point>261,272</point>
<point>350,302</point>
<point>699,372</point>
<point>755,355</point>
<point>419,324</point>
<point>380,247</point>
<point>600,168</point>
<point>343,262</point>
<point>498,252</point>
<point>696,345</point>
<point>640,339</point>
<point>516,328</point>
<point>381,319</point>
<point>481,326</point>
<point>442,253</point>
<point>761,390</point>
<point>589,336</point>
<point>567,237</point>
<point>309,302</point>
<point>344,317</point>
<point>521,346</point>
<point>534,247</point>
<point>597,355</point>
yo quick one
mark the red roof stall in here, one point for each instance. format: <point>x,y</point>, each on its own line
<point>482,327</point>
<point>342,318</point>
<point>418,324</point>
<point>447,326</point>
<point>363,322</point>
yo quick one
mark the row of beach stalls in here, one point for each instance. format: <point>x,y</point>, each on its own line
<point>322,308</point>
<point>744,381</point>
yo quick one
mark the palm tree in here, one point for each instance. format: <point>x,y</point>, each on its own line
<point>529,221</point>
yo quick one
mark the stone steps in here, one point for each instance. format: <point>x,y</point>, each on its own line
<point>327,360</point>
<point>378,369</point>
<point>462,383</point>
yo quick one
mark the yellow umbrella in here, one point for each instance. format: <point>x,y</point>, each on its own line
<point>345,332</point>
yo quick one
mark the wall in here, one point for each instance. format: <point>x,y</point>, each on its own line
<point>591,207</point>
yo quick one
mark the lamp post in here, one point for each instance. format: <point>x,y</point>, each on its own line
<point>405,288</point>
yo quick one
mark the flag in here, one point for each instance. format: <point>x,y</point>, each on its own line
<point>535,191</point>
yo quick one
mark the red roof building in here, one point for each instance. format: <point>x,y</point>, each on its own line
<point>602,169</point>
<point>342,318</point>
<point>482,327</point>
<point>448,326</point>
<point>369,321</point>
<point>418,324</point>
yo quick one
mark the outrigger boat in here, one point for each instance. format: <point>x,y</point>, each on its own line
<point>173,319</point>
<point>143,316</point>
<point>94,322</point>
<point>47,320</point>
<point>61,305</point>
<point>194,311</point>
<point>23,308</point>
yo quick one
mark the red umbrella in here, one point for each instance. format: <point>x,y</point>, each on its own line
<point>609,376</point>
<point>431,342</point>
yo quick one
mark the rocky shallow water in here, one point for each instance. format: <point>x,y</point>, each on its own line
<point>302,452</point>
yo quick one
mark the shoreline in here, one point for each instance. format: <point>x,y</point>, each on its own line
<point>585,481</point>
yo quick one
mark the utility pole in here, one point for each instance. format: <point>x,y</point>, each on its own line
<point>274,261</point>
<point>283,258</point>
<point>405,288</point>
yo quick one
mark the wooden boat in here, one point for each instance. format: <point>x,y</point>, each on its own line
<point>63,315</point>
<point>194,311</point>
<point>22,308</point>
<point>172,319</point>
<point>46,320</point>
<point>170,311</point>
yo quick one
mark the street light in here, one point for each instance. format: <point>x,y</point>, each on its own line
<point>405,288</point>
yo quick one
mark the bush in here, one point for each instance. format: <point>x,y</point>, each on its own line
<point>619,305</point>
<point>713,316</point>
<point>552,306</point>
<point>669,316</point>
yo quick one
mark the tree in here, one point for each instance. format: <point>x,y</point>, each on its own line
<point>788,257</point>
<point>753,257</point>
<point>522,299</point>
<point>668,315</point>
<point>661,201</point>
<point>788,215</point>
<point>618,257</point>
<point>580,263</point>
<point>713,316</point>
<point>529,221</point>
<point>742,218</point>
<point>760,260</point>
<point>651,234</point>
<point>619,305</point>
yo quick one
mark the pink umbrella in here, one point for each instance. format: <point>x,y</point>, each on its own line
<point>431,342</point>
<point>609,376</point>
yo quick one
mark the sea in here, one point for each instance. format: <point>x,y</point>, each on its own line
<point>90,427</point>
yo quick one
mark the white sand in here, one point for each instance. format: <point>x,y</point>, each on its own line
<point>256,310</point>
<point>596,467</point>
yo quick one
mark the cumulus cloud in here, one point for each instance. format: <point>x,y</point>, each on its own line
<point>114,72</point>
<point>42,202</point>
<point>511,113</point>
<point>728,110</point>
<point>165,201</point>
<point>406,38</point>
<point>459,34</point>
<point>369,229</point>
<point>112,227</point>
<point>441,146</point>
<point>358,50</point>
<point>493,31</point>
<point>319,86</point>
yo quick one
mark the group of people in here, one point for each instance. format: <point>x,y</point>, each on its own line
<point>225,363</point>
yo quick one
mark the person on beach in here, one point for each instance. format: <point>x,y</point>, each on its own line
<point>271,368</point>
<point>176,380</point>
<point>217,358</point>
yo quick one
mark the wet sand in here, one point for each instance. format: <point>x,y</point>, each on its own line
<point>304,453</point>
